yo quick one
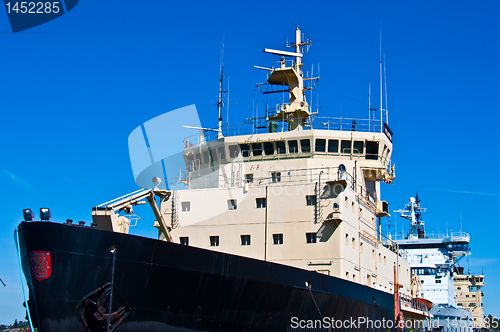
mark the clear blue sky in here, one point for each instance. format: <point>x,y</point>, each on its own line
<point>73,89</point>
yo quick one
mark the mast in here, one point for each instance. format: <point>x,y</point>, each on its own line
<point>413,212</point>
<point>220,101</point>
<point>297,111</point>
<point>385,89</point>
<point>380,65</point>
<point>369,106</point>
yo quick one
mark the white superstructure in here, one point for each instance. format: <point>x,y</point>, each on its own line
<point>433,260</point>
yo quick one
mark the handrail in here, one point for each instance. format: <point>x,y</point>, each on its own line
<point>251,127</point>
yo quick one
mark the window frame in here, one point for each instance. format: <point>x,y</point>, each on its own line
<point>311,238</point>
<point>278,239</point>
<point>317,143</point>
<point>186,206</point>
<point>245,239</point>
<point>232,204</point>
<point>311,200</point>
<point>305,145</point>
<point>275,177</point>
<point>214,240</point>
<point>260,202</point>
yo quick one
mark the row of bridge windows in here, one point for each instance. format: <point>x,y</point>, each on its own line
<point>294,146</point>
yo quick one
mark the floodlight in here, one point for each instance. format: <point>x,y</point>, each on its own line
<point>28,215</point>
<point>45,214</point>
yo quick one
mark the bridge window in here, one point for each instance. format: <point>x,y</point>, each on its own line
<point>372,150</point>
<point>333,146</point>
<point>222,152</point>
<point>345,146</point>
<point>269,148</point>
<point>293,146</point>
<point>257,149</point>
<point>213,154</point>
<point>320,145</point>
<point>245,150</point>
<point>280,147</point>
<point>233,151</point>
<point>205,157</point>
<point>184,240</point>
<point>358,147</point>
<point>305,145</point>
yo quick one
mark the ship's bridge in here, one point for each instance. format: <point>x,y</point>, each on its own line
<point>454,245</point>
<point>254,140</point>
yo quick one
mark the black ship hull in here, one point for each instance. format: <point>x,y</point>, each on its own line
<point>160,286</point>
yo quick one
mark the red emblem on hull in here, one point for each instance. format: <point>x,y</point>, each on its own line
<point>40,264</point>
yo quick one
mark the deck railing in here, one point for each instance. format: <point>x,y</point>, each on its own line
<point>448,236</point>
<point>261,126</point>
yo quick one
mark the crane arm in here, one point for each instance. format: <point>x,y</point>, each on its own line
<point>106,216</point>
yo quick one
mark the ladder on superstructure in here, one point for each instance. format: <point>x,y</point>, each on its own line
<point>174,217</point>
